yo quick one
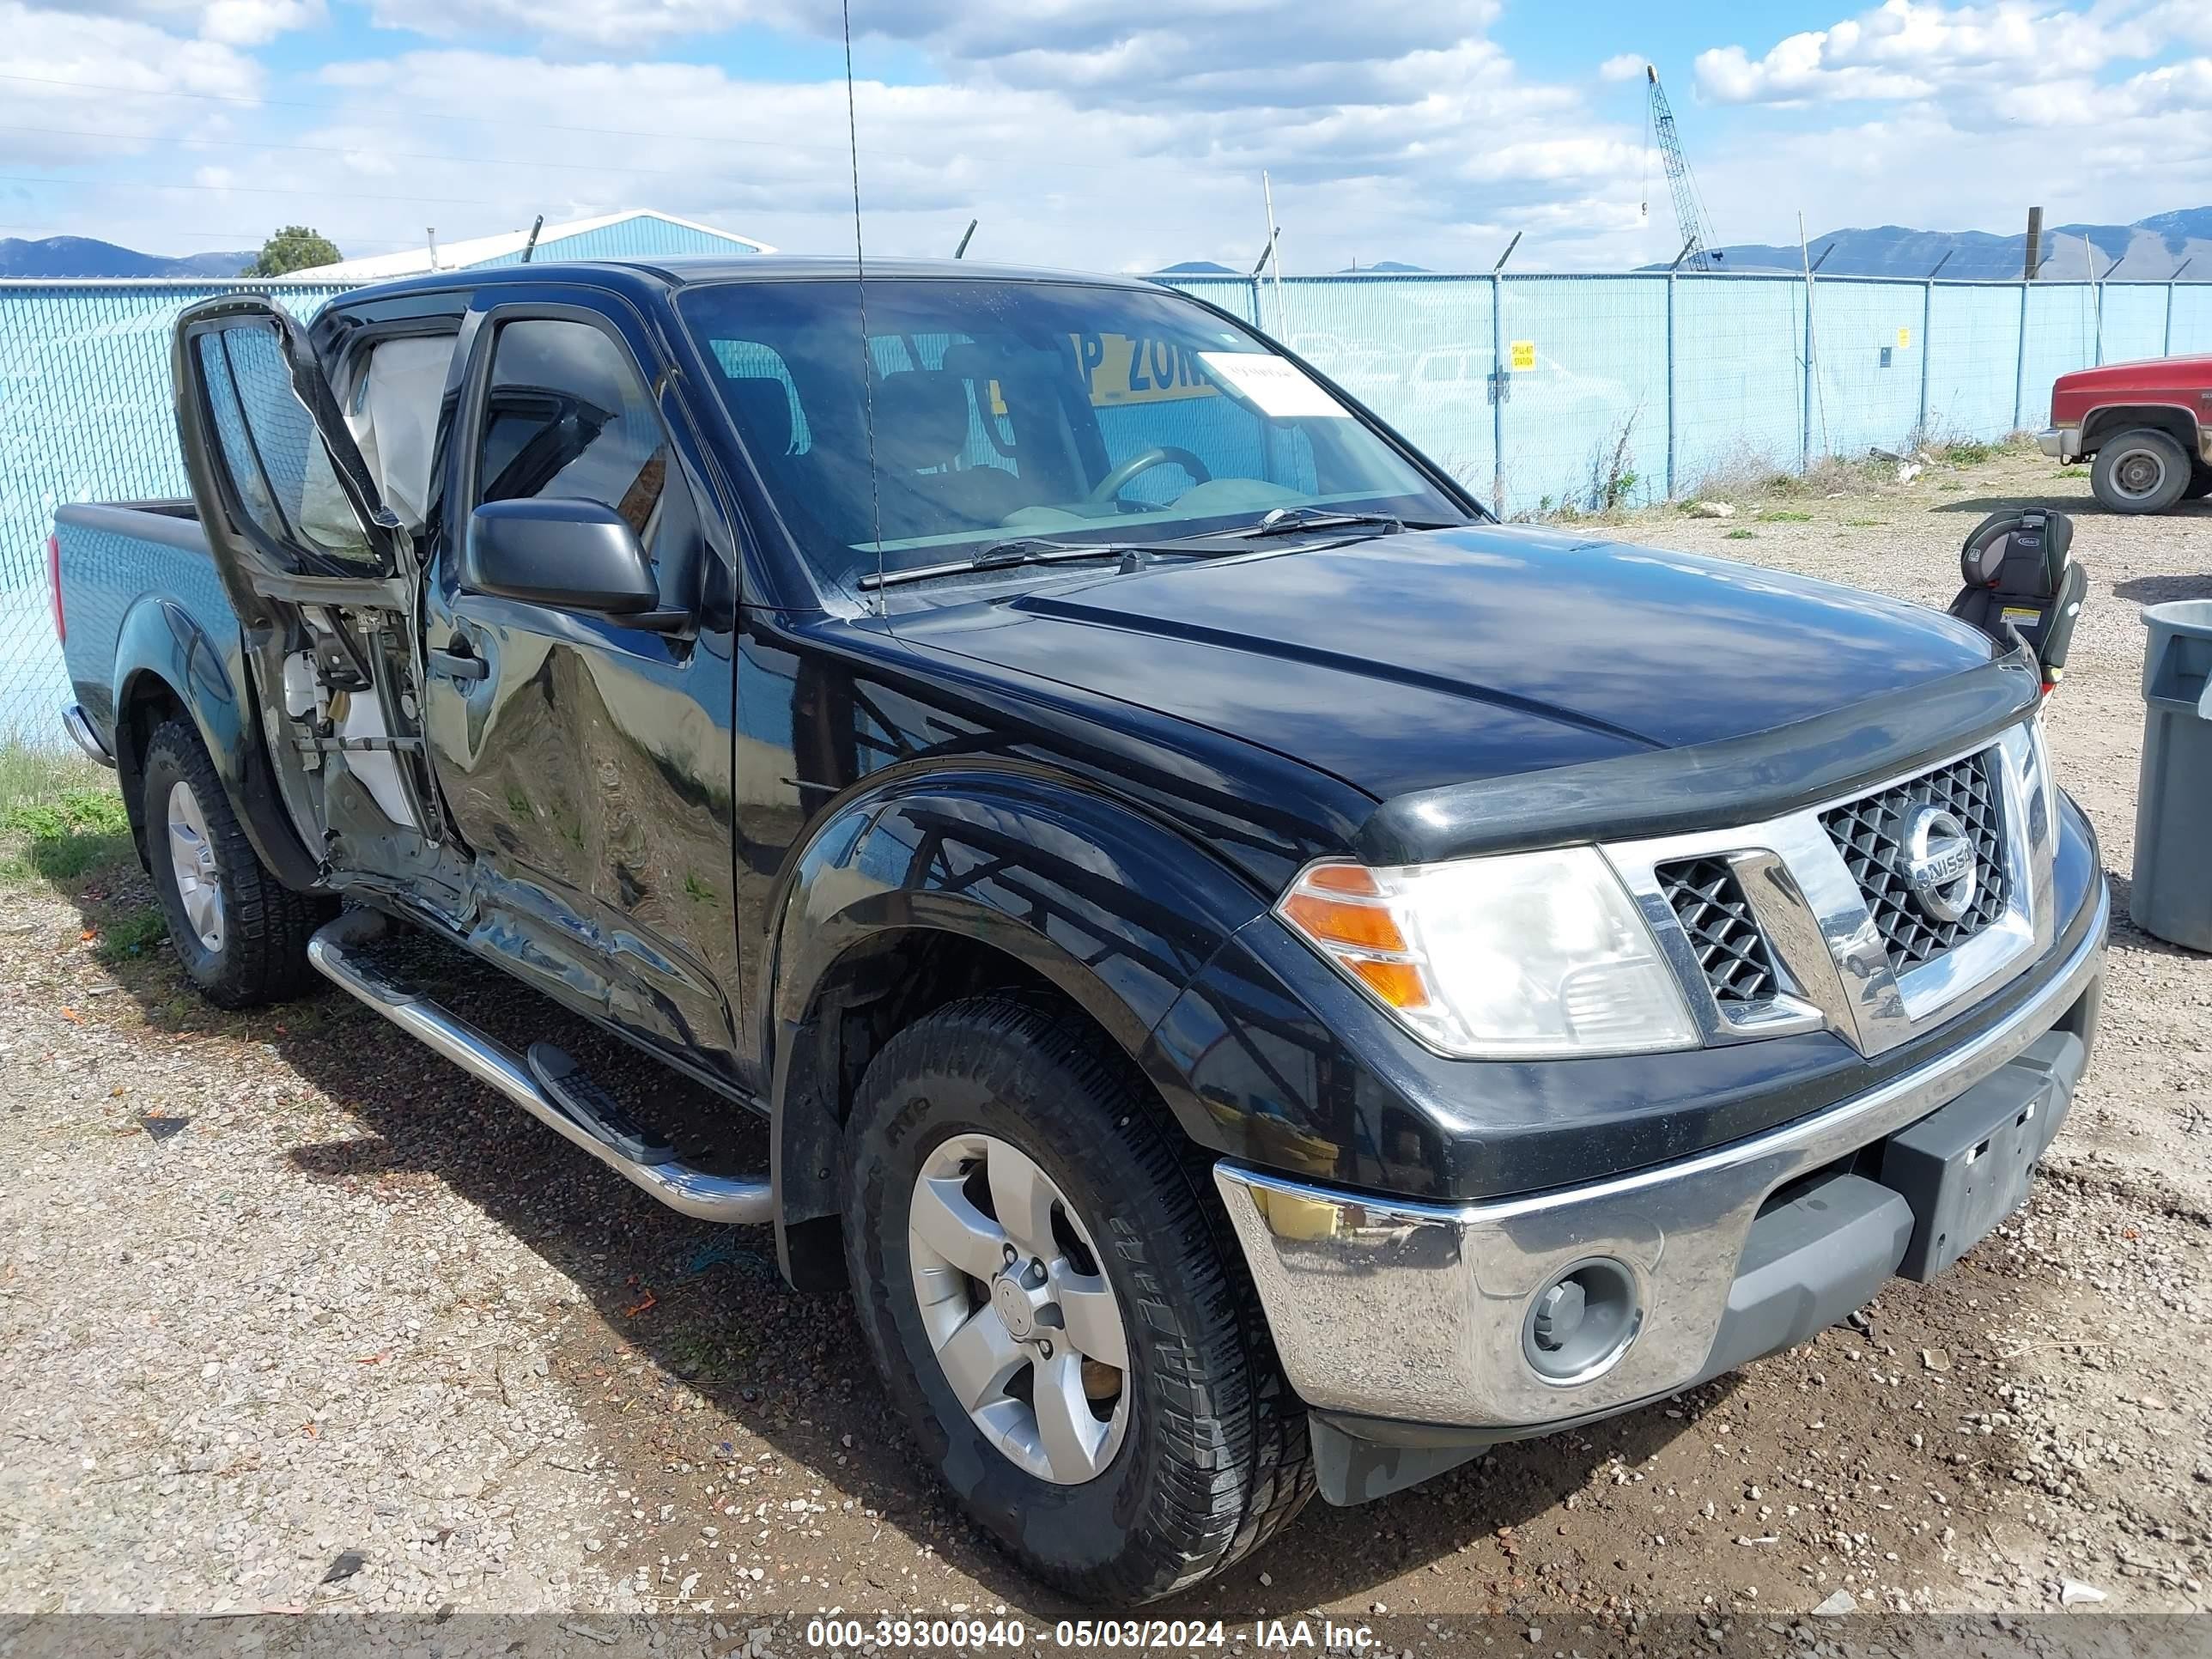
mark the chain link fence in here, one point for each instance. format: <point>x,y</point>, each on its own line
<point>1537,391</point>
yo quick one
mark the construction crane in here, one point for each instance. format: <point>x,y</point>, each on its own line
<point>1697,252</point>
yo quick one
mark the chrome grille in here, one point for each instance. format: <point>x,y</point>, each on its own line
<point>1868,834</point>
<point>1709,903</point>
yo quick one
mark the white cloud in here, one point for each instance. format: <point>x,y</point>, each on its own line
<point>257,22</point>
<point>1903,51</point>
<point>1080,132</point>
<point>64,69</point>
<point>230,22</point>
<point>1077,131</point>
<point>1053,182</point>
<point>1972,103</point>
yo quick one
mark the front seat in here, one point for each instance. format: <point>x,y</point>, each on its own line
<point>921,433</point>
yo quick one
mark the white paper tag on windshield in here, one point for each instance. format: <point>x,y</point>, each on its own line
<point>1275,387</point>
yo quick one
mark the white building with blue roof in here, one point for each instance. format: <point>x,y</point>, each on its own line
<point>633,233</point>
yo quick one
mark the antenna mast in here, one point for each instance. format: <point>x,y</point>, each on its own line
<point>861,295</point>
<point>1689,207</point>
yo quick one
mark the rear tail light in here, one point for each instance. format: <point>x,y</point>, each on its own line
<point>54,580</point>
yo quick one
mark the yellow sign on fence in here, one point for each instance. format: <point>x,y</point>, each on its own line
<point>1524,354</point>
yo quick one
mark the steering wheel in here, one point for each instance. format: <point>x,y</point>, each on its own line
<point>1144,461</point>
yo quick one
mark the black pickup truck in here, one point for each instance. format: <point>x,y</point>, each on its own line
<point>1259,978</point>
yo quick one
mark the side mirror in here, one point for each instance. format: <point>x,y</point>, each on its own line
<point>576,555</point>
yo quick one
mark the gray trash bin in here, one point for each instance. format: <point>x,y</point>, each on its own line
<point>2173,895</point>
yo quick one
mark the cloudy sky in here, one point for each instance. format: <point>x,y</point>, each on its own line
<point>1096,132</point>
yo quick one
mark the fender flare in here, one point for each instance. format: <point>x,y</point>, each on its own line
<point>1117,909</point>
<point>160,644</point>
<point>2123,414</point>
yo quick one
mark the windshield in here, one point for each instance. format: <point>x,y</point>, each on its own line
<point>1037,410</point>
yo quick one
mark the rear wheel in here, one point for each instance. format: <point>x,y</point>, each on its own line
<point>1056,1310</point>
<point>241,933</point>
<point>2142,471</point>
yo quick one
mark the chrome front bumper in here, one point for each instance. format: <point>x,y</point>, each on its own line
<point>2060,442</point>
<point>1387,1308</point>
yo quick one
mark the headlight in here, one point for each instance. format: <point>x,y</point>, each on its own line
<point>1518,957</point>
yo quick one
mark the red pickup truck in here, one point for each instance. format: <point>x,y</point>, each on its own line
<point>2146,424</point>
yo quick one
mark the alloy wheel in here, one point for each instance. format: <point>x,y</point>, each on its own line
<point>191,862</point>
<point>1028,1331</point>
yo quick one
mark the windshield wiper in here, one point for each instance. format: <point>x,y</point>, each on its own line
<point>1030,550</point>
<point>1002,556</point>
<point>1290,520</point>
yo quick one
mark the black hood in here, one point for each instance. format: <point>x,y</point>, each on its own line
<point>1421,659</point>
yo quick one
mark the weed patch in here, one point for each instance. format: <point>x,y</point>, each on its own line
<point>58,819</point>
<point>131,935</point>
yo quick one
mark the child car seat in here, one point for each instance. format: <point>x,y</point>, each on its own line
<point>2021,585</point>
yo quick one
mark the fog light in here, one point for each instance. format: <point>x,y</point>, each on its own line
<point>1582,1322</point>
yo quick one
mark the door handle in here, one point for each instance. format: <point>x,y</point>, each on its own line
<point>460,664</point>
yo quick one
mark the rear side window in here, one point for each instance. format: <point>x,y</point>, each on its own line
<point>285,484</point>
<point>568,415</point>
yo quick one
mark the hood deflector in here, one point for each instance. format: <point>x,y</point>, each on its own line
<point>1735,780</point>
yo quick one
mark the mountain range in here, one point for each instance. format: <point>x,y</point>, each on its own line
<point>2148,251</point>
<point>83,255</point>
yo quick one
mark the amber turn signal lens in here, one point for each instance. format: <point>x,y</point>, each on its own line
<point>1333,921</point>
<point>1353,878</point>
<point>1398,983</point>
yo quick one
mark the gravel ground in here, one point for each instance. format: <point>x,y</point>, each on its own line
<point>293,1316</point>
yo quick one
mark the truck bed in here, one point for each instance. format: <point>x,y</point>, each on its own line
<point>115,557</point>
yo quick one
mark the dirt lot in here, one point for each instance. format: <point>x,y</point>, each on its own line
<point>293,1316</point>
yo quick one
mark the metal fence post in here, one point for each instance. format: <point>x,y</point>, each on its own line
<point>1805,410</point>
<point>2020,361</point>
<point>1671,279</point>
<point>1497,384</point>
<point>1926,323</point>
<point>2166,345</point>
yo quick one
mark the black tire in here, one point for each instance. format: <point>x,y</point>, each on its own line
<point>2200,483</point>
<point>2141,471</point>
<point>262,952</point>
<point>1213,1459</point>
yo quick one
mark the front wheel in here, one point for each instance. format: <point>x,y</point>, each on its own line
<point>241,933</point>
<point>2144,471</point>
<point>1056,1310</point>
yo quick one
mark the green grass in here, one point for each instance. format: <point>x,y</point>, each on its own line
<point>1741,536</point>
<point>2073,472</point>
<point>1864,523</point>
<point>1778,516</point>
<point>131,935</point>
<point>1967,453</point>
<point>60,815</point>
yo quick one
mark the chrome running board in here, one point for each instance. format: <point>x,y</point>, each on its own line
<point>745,1201</point>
